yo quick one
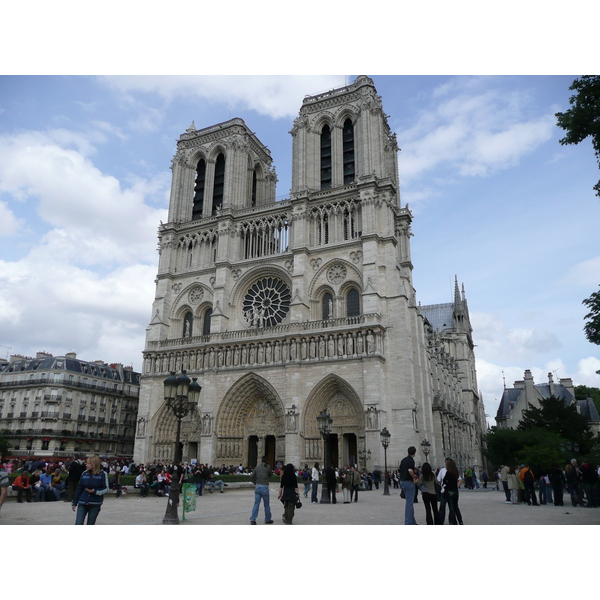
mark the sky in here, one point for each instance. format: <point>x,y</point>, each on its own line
<point>89,122</point>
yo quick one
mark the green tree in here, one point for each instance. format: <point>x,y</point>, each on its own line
<point>592,326</point>
<point>553,416</point>
<point>582,120</point>
<point>583,392</point>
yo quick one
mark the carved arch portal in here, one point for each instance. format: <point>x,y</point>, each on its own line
<point>250,422</point>
<point>347,411</point>
<point>164,426</point>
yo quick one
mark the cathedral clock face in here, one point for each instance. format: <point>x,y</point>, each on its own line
<point>267,302</point>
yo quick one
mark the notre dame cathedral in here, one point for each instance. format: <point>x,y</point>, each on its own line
<point>284,309</point>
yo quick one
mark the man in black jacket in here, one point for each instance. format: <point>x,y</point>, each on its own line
<point>75,471</point>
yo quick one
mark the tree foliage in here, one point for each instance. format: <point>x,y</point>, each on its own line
<point>552,415</point>
<point>582,120</point>
<point>538,437</point>
<point>583,392</point>
<point>592,325</point>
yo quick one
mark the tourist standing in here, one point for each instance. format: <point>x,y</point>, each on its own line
<point>331,479</point>
<point>288,493</point>
<point>557,481</point>
<point>76,469</point>
<point>504,479</point>
<point>89,494</point>
<point>572,476</point>
<point>589,482</point>
<point>528,479</point>
<point>355,480</point>
<point>512,481</point>
<point>408,479</point>
<point>427,483</point>
<point>346,480</point>
<point>4,483</point>
<point>452,482</point>
<point>260,479</point>
<point>306,480</point>
<point>315,483</point>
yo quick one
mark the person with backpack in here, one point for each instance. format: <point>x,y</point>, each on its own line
<point>306,480</point>
<point>528,479</point>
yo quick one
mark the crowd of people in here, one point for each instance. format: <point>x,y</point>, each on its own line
<point>581,483</point>
<point>37,480</point>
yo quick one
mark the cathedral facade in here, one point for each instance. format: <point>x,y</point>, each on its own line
<point>284,309</point>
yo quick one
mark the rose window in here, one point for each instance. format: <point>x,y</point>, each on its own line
<point>267,302</point>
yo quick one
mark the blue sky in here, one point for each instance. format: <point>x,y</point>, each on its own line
<point>84,182</point>
<point>84,159</point>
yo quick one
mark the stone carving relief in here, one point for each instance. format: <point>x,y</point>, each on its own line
<point>336,274</point>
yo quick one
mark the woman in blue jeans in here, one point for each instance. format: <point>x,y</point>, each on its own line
<point>90,492</point>
<point>451,484</point>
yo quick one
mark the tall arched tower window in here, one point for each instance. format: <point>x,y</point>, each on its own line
<point>206,322</point>
<point>348,145</point>
<point>326,158</point>
<point>352,303</point>
<point>253,197</point>
<point>199,190</point>
<point>219,184</point>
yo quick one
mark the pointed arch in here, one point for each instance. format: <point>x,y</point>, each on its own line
<point>250,407</point>
<point>343,403</point>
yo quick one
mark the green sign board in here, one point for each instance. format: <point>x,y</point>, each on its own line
<point>189,498</point>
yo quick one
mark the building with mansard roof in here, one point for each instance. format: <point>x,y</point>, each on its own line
<point>284,309</point>
<point>525,393</point>
<point>61,406</point>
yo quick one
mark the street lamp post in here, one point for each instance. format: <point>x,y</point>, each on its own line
<point>364,456</point>
<point>324,422</point>
<point>425,447</point>
<point>181,396</point>
<point>385,441</point>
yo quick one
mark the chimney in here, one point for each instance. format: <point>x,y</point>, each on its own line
<point>551,383</point>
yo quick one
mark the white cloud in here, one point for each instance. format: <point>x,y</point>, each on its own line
<point>275,96</point>
<point>9,223</point>
<point>516,344</point>
<point>94,218</point>
<point>473,132</point>
<point>586,372</point>
<point>585,274</point>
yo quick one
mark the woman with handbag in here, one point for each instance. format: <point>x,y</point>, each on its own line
<point>428,485</point>
<point>288,493</point>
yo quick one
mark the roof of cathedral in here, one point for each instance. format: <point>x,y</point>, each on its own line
<point>440,316</point>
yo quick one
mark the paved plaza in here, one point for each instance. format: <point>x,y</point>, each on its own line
<point>478,507</point>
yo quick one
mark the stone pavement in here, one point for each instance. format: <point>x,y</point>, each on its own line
<point>233,507</point>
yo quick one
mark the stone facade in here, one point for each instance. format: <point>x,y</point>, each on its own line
<point>61,406</point>
<point>282,309</point>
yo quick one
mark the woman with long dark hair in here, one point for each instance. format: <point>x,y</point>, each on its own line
<point>288,493</point>
<point>451,483</point>
<point>427,484</point>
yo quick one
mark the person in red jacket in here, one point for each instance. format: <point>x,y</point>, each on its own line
<point>22,484</point>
